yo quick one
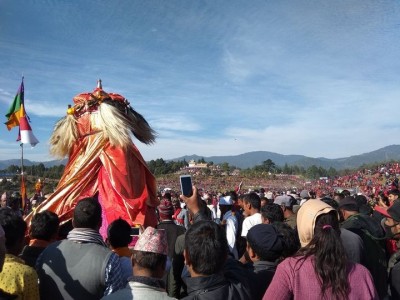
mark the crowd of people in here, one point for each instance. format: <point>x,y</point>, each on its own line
<point>327,239</point>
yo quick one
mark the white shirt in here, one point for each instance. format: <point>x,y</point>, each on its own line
<point>231,230</point>
<point>249,222</point>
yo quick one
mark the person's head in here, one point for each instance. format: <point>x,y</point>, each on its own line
<point>338,196</point>
<point>165,209</point>
<point>233,195</point>
<point>167,196</point>
<point>87,214</point>
<point>4,199</point>
<point>264,201</point>
<point>206,248</point>
<point>346,193</point>
<point>286,203</point>
<point>348,207</point>
<point>306,218</point>
<point>44,226</point>
<point>15,202</point>
<point>150,253</point>
<point>119,233</point>
<point>271,213</point>
<point>2,247</point>
<point>393,195</point>
<point>176,203</point>
<point>363,206</point>
<point>14,227</point>
<point>305,194</point>
<point>391,222</point>
<point>264,243</point>
<point>225,204</point>
<point>251,203</point>
<point>382,199</point>
<point>290,239</point>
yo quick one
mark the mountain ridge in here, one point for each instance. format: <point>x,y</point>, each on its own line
<point>253,158</point>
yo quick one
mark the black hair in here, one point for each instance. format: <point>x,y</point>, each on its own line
<point>44,225</point>
<point>331,202</point>
<point>14,227</point>
<point>330,260</point>
<point>384,198</point>
<point>292,202</point>
<point>346,193</point>
<point>290,239</point>
<point>167,196</point>
<point>273,212</point>
<point>361,199</point>
<point>253,199</point>
<point>363,206</point>
<point>395,192</point>
<point>149,260</point>
<point>119,233</point>
<point>207,247</point>
<point>87,213</point>
<point>262,251</point>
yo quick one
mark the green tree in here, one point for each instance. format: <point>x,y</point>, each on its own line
<point>225,167</point>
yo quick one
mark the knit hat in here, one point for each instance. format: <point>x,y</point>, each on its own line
<point>266,241</point>
<point>165,209</point>
<point>152,240</point>
<point>306,217</point>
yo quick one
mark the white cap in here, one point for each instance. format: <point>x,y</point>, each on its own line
<point>225,200</point>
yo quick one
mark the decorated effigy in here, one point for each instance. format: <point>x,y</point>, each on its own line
<point>103,162</point>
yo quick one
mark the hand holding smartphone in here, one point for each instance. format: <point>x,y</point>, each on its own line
<point>186,185</point>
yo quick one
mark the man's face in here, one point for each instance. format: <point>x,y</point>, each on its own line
<point>392,198</point>
<point>3,201</point>
<point>247,207</point>
<point>240,203</point>
<point>394,227</point>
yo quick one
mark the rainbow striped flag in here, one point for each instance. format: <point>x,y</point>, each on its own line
<point>16,110</point>
<point>17,117</point>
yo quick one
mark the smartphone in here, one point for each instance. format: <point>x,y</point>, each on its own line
<point>135,231</point>
<point>186,185</point>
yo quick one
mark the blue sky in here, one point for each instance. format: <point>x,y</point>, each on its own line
<point>318,78</point>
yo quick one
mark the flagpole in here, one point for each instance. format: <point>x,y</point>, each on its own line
<point>22,176</point>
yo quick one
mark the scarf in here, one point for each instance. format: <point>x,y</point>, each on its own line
<point>86,235</point>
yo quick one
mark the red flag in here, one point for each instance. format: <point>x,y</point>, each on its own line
<point>25,132</point>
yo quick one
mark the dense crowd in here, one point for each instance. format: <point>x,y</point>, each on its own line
<point>280,238</point>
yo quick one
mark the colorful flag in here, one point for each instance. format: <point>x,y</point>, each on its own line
<point>17,117</point>
<point>25,132</point>
<point>16,110</point>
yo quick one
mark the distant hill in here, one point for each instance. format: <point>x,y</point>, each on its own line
<point>4,164</point>
<point>251,159</point>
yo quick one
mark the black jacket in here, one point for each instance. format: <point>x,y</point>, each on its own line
<point>373,237</point>
<point>214,287</point>
<point>232,284</point>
